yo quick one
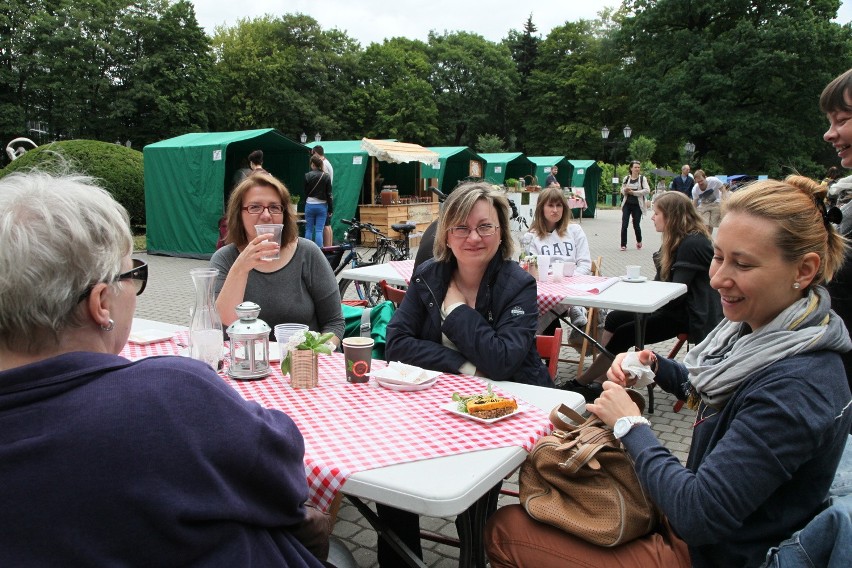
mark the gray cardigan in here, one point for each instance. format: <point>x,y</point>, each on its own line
<point>303,291</point>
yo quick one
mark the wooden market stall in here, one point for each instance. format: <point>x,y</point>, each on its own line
<point>409,203</point>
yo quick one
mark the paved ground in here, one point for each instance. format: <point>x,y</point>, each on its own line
<point>169,296</point>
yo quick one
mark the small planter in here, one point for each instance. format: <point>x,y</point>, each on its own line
<point>304,373</point>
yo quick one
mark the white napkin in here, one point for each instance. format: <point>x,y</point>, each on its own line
<point>632,366</point>
<point>402,373</point>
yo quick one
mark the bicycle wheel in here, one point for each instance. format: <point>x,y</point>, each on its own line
<point>369,291</point>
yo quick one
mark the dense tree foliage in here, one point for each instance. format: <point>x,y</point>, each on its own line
<point>103,69</point>
<point>738,78</point>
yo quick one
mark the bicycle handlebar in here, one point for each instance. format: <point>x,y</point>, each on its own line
<point>365,226</point>
<point>441,195</point>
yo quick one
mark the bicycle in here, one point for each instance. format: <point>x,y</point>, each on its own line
<point>395,249</point>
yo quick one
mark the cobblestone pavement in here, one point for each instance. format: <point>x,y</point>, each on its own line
<point>169,296</point>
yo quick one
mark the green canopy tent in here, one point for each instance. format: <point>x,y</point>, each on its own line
<point>455,164</point>
<point>350,162</point>
<point>586,174</point>
<point>504,165</point>
<point>188,177</point>
<point>543,164</point>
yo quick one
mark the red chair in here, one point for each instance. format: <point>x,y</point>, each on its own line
<point>548,347</point>
<point>392,293</point>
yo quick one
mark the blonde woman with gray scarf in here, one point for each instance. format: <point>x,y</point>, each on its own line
<point>770,396</point>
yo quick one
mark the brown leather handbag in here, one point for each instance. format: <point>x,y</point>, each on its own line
<point>580,479</point>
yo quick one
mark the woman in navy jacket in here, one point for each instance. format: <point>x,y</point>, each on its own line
<point>471,309</point>
<point>468,310</point>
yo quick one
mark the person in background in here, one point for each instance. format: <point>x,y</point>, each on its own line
<point>552,233</point>
<point>327,234</point>
<point>831,176</point>
<point>684,257</point>
<point>708,193</point>
<point>634,188</point>
<point>684,182</point>
<point>551,177</point>
<point>317,199</point>
<point>106,461</point>
<point>836,102</point>
<point>471,309</point>
<point>770,397</point>
<point>299,287</point>
<point>256,162</point>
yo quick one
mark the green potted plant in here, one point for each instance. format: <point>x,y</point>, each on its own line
<point>301,360</point>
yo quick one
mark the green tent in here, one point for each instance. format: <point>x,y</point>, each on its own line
<point>350,162</point>
<point>455,165</point>
<point>188,177</point>
<point>586,174</point>
<point>504,165</point>
<point>543,165</point>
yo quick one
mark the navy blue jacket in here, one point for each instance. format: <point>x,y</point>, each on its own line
<point>498,336</point>
<point>104,462</point>
<point>760,468</point>
<point>685,187</point>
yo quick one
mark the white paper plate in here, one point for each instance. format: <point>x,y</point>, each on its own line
<point>634,280</point>
<point>390,374</point>
<point>146,336</point>
<point>453,408</point>
<point>407,387</point>
<point>274,351</point>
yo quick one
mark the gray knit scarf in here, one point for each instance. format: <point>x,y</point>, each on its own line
<point>729,354</point>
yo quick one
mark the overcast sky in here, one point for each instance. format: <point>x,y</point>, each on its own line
<point>374,20</point>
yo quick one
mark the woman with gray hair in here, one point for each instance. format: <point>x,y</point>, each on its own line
<point>112,461</point>
<point>470,309</point>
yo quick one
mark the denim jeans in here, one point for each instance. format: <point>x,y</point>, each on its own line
<point>315,214</point>
<point>826,541</point>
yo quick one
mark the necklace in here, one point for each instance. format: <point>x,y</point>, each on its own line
<point>701,414</point>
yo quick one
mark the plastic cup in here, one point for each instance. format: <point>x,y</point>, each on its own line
<point>568,268</point>
<point>557,270</point>
<point>275,230</point>
<point>283,331</point>
<point>634,271</point>
<point>358,354</point>
<point>543,267</point>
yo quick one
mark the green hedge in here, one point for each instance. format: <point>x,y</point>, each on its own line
<point>117,169</point>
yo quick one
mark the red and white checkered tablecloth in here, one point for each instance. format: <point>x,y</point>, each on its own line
<point>552,293</point>
<point>354,427</point>
<point>405,268</point>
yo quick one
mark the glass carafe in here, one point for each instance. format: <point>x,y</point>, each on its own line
<point>205,327</point>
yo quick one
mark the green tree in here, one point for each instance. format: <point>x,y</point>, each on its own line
<point>474,81</point>
<point>524,48</point>
<point>285,73</point>
<point>489,144</point>
<point>642,148</point>
<point>738,79</point>
<point>395,99</point>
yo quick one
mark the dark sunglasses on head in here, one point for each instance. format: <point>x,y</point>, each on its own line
<point>138,275</point>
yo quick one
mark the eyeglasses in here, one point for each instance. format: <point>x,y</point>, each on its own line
<point>255,209</point>
<point>138,275</point>
<point>484,230</point>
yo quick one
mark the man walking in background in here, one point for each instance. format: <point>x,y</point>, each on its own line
<point>684,182</point>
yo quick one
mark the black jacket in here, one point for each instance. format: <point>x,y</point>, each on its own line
<point>317,185</point>
<point>498,336</point>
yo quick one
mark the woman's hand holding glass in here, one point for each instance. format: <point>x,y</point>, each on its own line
<point>257,248</point>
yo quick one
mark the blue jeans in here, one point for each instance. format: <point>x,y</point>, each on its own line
<point>315,215</point>
<point>826,541</point>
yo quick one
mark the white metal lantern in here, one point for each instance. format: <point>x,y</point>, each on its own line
<point>249,343</point>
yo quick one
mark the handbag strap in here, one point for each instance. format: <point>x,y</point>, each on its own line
<point>319,179</point>
<point>560,424</point>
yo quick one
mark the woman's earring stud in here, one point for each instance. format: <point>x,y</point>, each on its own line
<point>796,285</point>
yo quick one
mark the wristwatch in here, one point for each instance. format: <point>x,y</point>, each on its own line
<point>625,423</point>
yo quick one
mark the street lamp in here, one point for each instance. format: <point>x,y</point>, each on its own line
<point>317,137</point>
<point>689,150</point>
<point>627,131</point>
<point>303,138</point>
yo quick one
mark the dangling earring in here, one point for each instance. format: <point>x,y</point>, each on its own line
<point>109,326</point>
<point>796,285</point>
